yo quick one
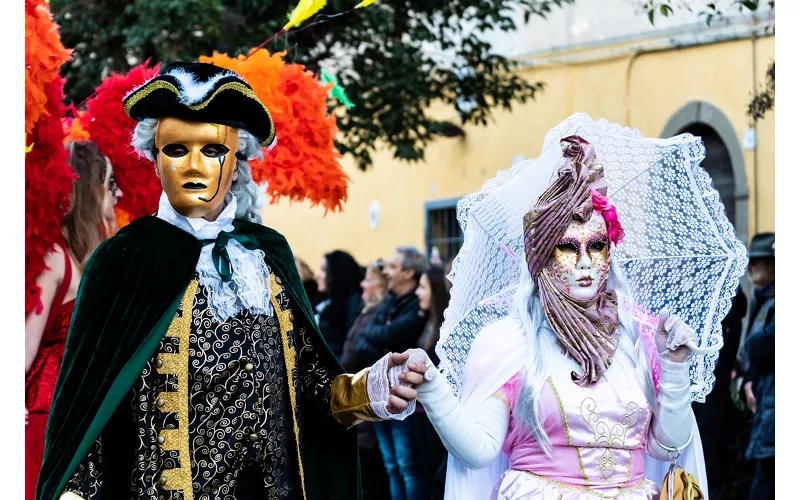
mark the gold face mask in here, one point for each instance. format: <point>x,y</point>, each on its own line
<point>196,163</point>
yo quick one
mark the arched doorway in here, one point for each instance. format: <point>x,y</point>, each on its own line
<point>724,159</point>
<point>718,165</point>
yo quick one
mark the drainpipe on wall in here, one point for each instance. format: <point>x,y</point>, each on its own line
<point>756,196</point>
<point>628,72</point>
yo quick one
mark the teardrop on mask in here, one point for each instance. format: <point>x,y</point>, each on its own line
<point>173,166</point>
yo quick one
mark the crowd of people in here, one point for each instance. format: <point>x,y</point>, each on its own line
<point>364,313</point>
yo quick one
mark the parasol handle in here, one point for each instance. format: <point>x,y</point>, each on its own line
<point>716,345</point>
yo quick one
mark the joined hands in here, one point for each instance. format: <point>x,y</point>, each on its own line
<point>404,377</point>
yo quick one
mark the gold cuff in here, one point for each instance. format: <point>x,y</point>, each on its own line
<point>350,403</point>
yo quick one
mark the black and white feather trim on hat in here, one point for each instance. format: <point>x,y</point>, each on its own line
<point>204,93</point>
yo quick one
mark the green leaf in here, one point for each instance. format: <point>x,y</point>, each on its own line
<point>666,10</point>
<point>651,16</point>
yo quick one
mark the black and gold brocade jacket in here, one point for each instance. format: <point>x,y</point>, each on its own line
<point>224,395</point>
<point>253,407</point>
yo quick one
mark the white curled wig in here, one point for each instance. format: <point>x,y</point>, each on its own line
<point>249,199</point>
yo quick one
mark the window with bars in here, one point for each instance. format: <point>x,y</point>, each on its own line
<point>442,230</point>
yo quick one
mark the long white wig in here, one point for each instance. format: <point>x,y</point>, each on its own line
<point>542,351</point>
<point>249,199</point>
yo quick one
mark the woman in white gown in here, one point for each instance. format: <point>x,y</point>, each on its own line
<point>577,392</point>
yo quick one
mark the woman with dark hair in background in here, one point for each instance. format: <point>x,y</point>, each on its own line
<point>89,222</point>
<point>309,282</point>
<point>339,277</point>
<point>434,295</point>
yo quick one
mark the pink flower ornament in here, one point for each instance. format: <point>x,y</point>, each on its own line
<point>603,207</point>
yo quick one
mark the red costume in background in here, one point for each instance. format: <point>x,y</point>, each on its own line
<point>40,381</point>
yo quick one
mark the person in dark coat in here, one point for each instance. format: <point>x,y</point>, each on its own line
<point>398,322</point>
<point>339,277</point>
<point>309,283</point>
<point>374,481</point>
<point>717,428</point>
<point>759,386</point>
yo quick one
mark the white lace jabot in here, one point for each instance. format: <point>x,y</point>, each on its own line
<point>250,286</point>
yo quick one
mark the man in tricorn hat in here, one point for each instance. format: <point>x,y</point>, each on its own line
<point>759,379</point>
<point>194,368</point>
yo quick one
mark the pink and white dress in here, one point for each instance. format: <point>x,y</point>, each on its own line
<point>601,437</point>
<point>598,438</point>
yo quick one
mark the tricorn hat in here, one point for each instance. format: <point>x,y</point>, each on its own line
<point>204,93</point>
<point>762,246</point>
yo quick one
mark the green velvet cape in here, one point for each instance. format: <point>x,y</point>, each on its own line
<point>130,290</point>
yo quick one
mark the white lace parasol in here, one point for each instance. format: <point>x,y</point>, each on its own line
<point>680,251</point>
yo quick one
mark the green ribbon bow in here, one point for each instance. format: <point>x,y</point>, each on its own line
<point>219,254</point>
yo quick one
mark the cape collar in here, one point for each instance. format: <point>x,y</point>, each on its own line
<point>250,287</point>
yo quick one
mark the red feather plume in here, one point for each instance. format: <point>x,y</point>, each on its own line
<point>48,184</point>
<point>110,128</point>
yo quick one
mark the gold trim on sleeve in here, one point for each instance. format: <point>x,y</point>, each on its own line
<point>350,399</point>
<point>285,325</point>
<point>178,402</point>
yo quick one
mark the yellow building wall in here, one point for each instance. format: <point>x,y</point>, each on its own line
<point>640,90</point>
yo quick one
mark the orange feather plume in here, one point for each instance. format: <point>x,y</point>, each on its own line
<point>44,55</point>
<point>73,128</point>
<point>304,164</point>
<point>48,176</point>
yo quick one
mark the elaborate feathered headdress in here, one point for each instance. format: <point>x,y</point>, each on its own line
<point>48,176</point>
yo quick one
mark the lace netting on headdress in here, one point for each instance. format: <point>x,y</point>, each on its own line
<point>680,250</point>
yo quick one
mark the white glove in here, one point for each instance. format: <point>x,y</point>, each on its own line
<point>673,337</point>
<point>672,423</point>
<point>475,438</point>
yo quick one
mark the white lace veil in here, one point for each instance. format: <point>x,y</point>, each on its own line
<point>680,252</point>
